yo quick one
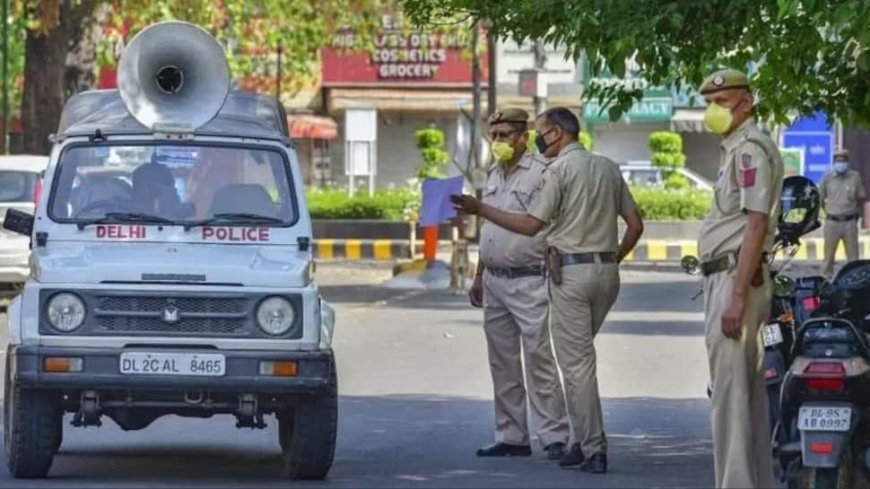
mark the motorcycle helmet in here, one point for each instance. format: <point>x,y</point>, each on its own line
<point>799,207</point>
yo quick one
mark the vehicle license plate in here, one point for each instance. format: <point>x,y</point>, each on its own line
<point>771,334</point>
<point>822,418</point>
<point>200,364</point>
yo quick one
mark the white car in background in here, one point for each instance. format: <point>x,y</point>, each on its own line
<point>645,173</point>
<point>20,182</point>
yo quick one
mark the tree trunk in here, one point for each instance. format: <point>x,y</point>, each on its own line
<point>45,75</point>
<point>86,36</point>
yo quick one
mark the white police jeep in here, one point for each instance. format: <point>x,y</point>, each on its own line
<point>171,266</point>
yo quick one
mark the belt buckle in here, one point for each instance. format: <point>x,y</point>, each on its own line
<point>732,261</point>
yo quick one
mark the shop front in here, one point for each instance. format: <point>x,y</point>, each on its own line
<point>411,80</point>
<point>626,139</point>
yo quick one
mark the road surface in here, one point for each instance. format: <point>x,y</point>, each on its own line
<point>416,402</point>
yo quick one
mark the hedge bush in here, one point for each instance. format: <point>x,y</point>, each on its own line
<point>336,204</point>
<point>655,204</point>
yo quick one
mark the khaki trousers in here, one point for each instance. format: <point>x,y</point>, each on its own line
<point>578,308</point>
<point>741,432</point>
<point>835,232</point>
<point>515,318</point>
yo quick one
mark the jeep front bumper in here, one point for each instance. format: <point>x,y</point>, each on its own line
<point>101,371</point>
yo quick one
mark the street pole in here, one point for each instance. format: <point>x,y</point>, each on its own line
<point>5,75</point>
<point>492,94</point>
<point>475,101</point>
<point>540,62</point>
<point>278,81</point>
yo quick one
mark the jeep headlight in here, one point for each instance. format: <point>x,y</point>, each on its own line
<point>66,312</point>
<point>275,315</point>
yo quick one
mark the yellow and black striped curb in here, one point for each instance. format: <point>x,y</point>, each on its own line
<point>812,249</point>
<point>361,249</point>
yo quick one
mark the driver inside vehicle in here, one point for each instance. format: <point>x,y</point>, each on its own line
<point>154,192</point>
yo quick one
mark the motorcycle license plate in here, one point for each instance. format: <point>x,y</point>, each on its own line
<point>771,334</point>
<point>822,418</point>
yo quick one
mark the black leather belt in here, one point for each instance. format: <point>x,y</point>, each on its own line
<point>517,272</point>
<point>580,258</point>
<point>846,218</point>
<point>724,263</point>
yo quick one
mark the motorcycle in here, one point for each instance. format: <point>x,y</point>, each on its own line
<point>825,400</point>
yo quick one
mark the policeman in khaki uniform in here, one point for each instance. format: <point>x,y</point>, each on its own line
<point>582,197</point>
<point>510,284</point>
<point>842,193</point>
<point>735,237</point>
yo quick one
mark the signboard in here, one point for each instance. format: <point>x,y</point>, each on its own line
<point>533,83</point>
<point>814,137</point>
<point>401,57</point>
<point>656,105</point>
<point>654,109</point>
<point>792,161</point>
<point>686,98</point>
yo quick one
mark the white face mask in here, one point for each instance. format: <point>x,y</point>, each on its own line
<point>841,166</point>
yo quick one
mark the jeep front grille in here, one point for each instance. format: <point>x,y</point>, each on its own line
<point>168,313</point>
<point>122,314</point>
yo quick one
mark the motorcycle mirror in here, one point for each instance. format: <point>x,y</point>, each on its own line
<point>690,264</point>
<point>783,286</point>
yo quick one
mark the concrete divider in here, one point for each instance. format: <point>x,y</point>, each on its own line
<point>647,251</point>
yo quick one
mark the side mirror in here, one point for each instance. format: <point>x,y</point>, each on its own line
<point>18,222</point>
<point>783,286</point>
<point>690,265</point>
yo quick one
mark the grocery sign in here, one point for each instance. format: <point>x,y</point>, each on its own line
<point>401,57</point>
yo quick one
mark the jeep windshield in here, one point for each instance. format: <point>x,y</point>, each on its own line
<point>173,185</point>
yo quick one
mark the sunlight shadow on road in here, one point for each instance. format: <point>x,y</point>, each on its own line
<point>392,441</point>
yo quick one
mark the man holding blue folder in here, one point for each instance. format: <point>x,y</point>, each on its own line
<point>511,287</point>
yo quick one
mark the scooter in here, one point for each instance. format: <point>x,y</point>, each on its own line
<point>825,401</point>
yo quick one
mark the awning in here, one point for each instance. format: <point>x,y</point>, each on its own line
<point>308,126</point>
<point>688,120</point>
<point>399,100</point>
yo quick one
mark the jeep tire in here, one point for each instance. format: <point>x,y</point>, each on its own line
<point>307,433</point>
<point>32,423</point>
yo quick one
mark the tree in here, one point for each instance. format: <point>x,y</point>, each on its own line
<point>67,40</point>
<point>808,55</point>
<point>667,154</point>
<point>430,142</point>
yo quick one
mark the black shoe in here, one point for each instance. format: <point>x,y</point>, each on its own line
<point>596,464</point>
<point>555,451</point>
<point>505,450</point>
<point>573,457</point>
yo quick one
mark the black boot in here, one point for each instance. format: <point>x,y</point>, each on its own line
<point>505,450</point>
<point>573,457</point>
<point>555,451</point>
<point>596,464</point>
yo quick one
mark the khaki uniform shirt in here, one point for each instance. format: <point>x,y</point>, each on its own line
<point>842,195</point>
<point>750,179</point>
<point>582,197</point>
<point>500,248</point>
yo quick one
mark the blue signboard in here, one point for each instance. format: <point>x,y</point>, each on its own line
<point>815,137</point>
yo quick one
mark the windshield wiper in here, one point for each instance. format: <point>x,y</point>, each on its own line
<point>233,217</point>
<point>125,217</point>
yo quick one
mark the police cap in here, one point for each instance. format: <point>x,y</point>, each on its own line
<point>841,152</point>
<point>509,115</point>
<point>724,80</point>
